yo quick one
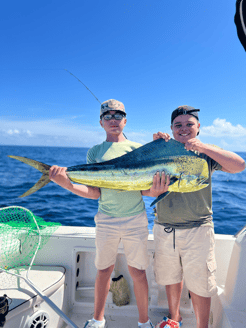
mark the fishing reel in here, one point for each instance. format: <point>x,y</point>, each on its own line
<point>4,308</point>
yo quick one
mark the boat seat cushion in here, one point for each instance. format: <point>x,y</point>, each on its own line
<point>47,279</point>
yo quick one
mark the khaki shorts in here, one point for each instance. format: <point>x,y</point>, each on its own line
<point>193,258</point>
<point>132,231</point>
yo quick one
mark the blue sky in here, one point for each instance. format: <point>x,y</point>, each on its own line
<point>153,55</point>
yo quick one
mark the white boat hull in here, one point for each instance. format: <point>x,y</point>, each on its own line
<point>74,249</point>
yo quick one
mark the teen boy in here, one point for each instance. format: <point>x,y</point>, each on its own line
<point>186,219</point>
<point>121,216</point>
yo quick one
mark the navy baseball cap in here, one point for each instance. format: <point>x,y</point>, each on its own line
<point>185,110</point>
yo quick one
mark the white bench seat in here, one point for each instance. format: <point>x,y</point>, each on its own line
<point>47,279</point>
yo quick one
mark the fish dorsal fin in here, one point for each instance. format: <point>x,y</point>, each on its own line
<point>158,149</point>
<point>152,151</point>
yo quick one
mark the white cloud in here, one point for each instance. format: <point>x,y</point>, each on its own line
<point>50,132</point>
<point>59,132</point>
<point>222,128</point>
<point>67,132</point>
<point>13,131</point>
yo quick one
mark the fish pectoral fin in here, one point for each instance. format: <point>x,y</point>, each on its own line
<point>173,180</point>
<point>202,186</point>
<point>160,197</point>
<point>180,177</point>
<point>202,181</point>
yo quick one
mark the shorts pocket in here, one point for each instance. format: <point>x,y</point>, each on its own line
<point>211,264</point>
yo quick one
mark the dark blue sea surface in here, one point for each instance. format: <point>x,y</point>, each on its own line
<point>53,203</point>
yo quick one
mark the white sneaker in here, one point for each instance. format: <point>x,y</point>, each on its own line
<point>147,325</point>
<point>93,324</point>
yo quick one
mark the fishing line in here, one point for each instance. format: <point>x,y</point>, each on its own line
<point>83,85</point>
<point>55,69</point>
<point>87,89</point>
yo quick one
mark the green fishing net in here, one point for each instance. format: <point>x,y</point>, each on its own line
<point>22,234</point>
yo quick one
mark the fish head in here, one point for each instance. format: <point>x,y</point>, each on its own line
<point>192,173</point>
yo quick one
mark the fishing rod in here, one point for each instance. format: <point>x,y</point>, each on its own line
<point>83,84</point>
<point>87,89</point>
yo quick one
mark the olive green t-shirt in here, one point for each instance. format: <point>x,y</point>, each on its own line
<point>116,203</point>
<point>191,209</point>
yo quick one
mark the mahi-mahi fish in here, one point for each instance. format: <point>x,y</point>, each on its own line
<point>136,169</point>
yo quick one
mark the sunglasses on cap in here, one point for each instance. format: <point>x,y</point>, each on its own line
<point>116,116</point>
<point>185,110</point>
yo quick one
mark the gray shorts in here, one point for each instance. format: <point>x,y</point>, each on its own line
<point>132,231</point>
<point>193,259</point>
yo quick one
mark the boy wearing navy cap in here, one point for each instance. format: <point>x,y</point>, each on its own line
<point>186,220</point>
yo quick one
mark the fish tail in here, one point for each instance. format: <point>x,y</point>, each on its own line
<point>43,168</point>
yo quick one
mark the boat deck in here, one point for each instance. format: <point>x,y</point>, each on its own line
<point>70,253</point>
<point>128,319</point>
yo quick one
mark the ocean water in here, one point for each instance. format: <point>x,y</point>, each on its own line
<point>53,203</point>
